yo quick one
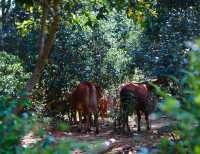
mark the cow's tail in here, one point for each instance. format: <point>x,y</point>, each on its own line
<point>127,107</point>
<point>128,101</point>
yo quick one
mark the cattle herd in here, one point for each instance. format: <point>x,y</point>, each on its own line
<point>88,101</point>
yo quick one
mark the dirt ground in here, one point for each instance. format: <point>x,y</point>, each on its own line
<point>130,144</point>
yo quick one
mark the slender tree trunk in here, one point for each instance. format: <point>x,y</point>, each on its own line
<point>2,22</point>
<point>45,47</point>
<point>4,8</point>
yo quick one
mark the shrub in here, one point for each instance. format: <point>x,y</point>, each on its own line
<point>12,126</point>
<point>186,111</point>
<point>13,75</point>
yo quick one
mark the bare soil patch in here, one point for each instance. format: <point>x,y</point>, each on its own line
<point>124,143</point>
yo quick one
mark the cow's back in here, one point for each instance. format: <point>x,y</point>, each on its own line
<point>138,97</point>
<point>84,97</point>
<point>133,97</point>
<point>140,91</point>
<point>80,98</point>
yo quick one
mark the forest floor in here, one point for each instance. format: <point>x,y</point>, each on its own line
<point>133,143</point>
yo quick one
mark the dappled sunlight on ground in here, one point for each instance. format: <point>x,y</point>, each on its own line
<point>129,142</point>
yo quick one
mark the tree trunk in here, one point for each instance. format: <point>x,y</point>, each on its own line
<point>44,49</point>
<point>1,25</point>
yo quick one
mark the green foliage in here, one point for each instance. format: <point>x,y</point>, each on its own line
<point>12,126</point>
<point>178,4</point>
<point>97,42</point>
<point>162,48</point>
<point>49,146</point>
<point>63,126</point>
<point>99,54</point>
<point>13,75</point>
<point>25,2</point>
<point>84,45</point>
<point>25,27</point>
<point>140,11</point>
<point>186,111</point>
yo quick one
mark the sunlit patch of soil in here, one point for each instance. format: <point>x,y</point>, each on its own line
<point>129,143</point>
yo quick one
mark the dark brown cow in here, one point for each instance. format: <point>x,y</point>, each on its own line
<point>84,99</point>
<point>136,97</point>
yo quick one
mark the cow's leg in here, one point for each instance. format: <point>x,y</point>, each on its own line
<point>81,121</point>
<point>87,118</point>
<point>84,118</point>
<point>147,120</point>
<point>96,122</point>
<point>91,121</point>
<point>73,116</point>
<point>124,121</point>
<point>102,118</point>
<point>121,125</point>
<point>115,124</point>
<point>139,118</point>
<point>69,116</point>
<point>127,125</point>
<point>119,120</point>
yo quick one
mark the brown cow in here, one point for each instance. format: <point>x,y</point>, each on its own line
<point>136,97</point>
<point>84,99</point>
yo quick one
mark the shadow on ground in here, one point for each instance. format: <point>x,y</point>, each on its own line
<point>124,143</point>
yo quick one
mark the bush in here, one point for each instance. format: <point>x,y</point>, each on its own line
<point>12,126</point>
<point>186,111</point>
<point>13,75</point>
